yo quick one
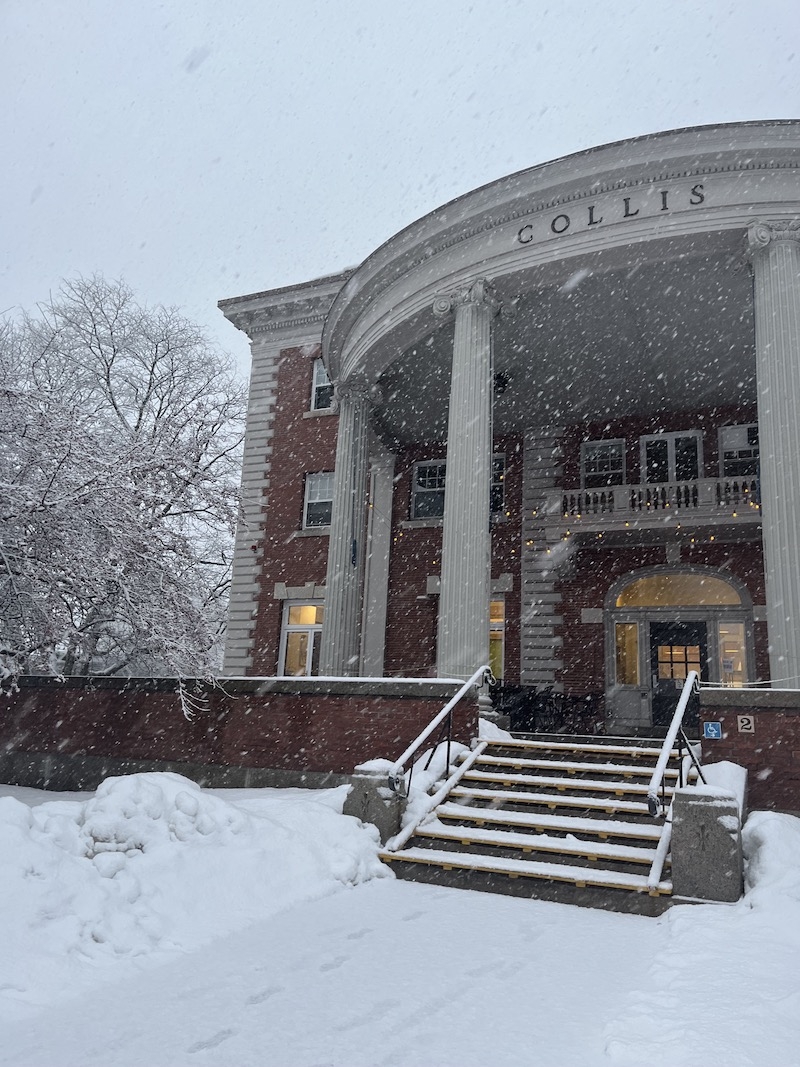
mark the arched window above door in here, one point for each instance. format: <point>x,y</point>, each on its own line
<point>678,590</point>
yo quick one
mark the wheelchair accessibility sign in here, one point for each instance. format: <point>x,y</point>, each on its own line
<point>712,731</point>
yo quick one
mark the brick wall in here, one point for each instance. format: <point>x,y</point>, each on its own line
<point>770,753</point>
<point>416,555</point>
<point>301,445</point>
<point>299,726</point>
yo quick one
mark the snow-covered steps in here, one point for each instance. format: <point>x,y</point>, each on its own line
<point>578,876</point>
<point>562,819</point>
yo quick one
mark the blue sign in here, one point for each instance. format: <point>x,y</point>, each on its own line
<point>712,731</point>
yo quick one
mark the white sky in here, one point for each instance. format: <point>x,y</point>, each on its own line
<point>207,149</point>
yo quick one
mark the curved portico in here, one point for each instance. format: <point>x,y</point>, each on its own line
<point>625,278</point>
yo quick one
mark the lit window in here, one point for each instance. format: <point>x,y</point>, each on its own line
<point>677,590</point>
<point>321,388</point>
<point>602,463</point>
<point>428,485</point>
<point>627,653</point>
<point>497,637</point>
<point>318,501</point>
<point>732,670</point>
<point>300,637</point>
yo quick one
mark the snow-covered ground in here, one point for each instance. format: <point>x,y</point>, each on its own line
<point>157,924</point>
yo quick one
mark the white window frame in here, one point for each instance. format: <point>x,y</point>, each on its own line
<point>498,475</point>
<point>319,382</point>
<point>725,431</point>
<point>313,629</point>
<point>610,441</point>
<point>420,492</point>
<point>317,491</point>
<point>670,438</point>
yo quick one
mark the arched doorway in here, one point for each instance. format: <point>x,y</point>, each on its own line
<point>663,622</point>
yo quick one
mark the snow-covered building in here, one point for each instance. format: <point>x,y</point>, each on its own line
<point>552,426</point>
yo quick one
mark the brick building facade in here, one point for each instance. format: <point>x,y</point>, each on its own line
<point>599,359</point>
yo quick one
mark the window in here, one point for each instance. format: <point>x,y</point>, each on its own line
<point>497,492</point>
<point>732,654</point>
<point>428,490</point>
<point>738,449</point>
<point>428,485</point>
<point>627,653</point>
<point>319,500</point>
<point>602,463</point>
<point>672,457</point>
<point>497,637</point>
<point>300,637</point>
<point>321,388</point>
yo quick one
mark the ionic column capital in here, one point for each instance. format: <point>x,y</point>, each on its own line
<point>479,293</point>
<point>764,233</point>
<point>357,391</point>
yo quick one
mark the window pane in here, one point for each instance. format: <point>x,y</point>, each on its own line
<point>674,590</point>
<point>319,514</point>
<point>686,459</point>
<point>656,461</point>
<point>496,653</point>
<point>603,463</point>
<point>322,390</point>
<point>296,653</point>
<point>429,505</point>
<point>732,670</point>
<point>304,614</point>
<point>627,653</point>
<point>497,491</point>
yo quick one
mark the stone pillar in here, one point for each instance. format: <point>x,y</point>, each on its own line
<point>775,254</point>
<point>341,631</point>
<point>379,544</point>
<point>463,636</point>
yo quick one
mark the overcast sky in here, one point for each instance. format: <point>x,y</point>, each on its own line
<point>211,148</point>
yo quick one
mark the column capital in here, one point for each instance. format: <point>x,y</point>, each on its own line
<point>479,292</point>
<point>765,232</point>
<point>356,390</point>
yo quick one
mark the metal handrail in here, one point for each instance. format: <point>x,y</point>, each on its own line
<point>482,676</point>
<point>656,784</point>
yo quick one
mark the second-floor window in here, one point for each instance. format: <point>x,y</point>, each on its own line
<point>318,504</point>
<point>602,463</point>
<point>428,485</point>
<point>321,388</point>
<point>672,457</point>
<point>738,448</point>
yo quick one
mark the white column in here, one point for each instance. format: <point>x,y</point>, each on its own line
<point>376,578</point>
<point>775,254</point>
<point>341,631</point>
<point>463,636</point>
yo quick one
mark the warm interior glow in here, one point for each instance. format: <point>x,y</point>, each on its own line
<point>677,590</point>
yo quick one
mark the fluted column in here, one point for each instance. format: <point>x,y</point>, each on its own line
<point>463,636</point>
<point>775,254</point>
<point>341,631</point>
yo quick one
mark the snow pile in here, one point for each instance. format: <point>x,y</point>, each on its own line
<point>154,864</point>
<point>771,844</point>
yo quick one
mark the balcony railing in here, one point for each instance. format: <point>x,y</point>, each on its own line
<point>707,500</point>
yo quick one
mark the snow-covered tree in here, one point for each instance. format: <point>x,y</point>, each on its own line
<point>120,433</point>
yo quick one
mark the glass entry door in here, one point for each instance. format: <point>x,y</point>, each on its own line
<point>675,649</point>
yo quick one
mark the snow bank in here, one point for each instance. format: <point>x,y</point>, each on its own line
<point>154,864</point>
<point>771,843</point>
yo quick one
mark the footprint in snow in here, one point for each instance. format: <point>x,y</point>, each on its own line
<point>358,934</point>
<point>265,994</point>
<point>211,1042</point>
<point>334,963</point>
